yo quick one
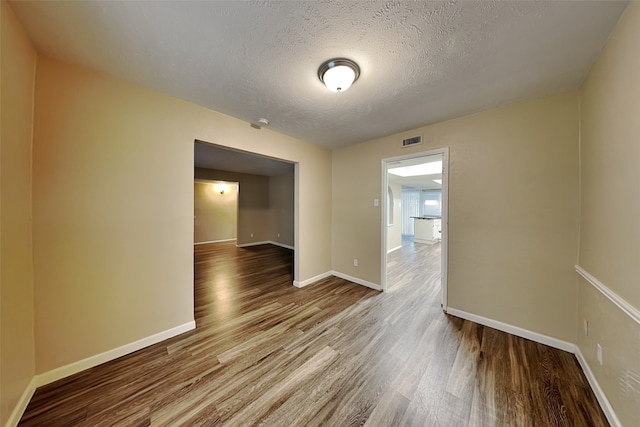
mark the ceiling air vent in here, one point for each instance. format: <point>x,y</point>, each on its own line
<point>416,140</point>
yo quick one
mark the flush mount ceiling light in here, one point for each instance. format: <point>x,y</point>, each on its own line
<point>338,74</point>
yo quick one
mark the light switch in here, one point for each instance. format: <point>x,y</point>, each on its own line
<point>376,202</point>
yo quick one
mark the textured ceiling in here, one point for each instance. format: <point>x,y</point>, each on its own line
<point>421,62</point>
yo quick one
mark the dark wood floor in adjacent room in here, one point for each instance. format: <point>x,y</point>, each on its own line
<point>331,354</point>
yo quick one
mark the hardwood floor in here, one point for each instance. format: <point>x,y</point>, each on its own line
<point>331,354</point>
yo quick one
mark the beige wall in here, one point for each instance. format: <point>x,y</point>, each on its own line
<point>610,151</point>
<point>281,208</point>
<point>113,208</point>
<point>513,211</point>
<point>394,232</point>
<point>265,205</point>
<point>112,231</point>
<point>16,277</point>
<point>253,203</point>
<point>619,336</point>
<point>610,214</point>
<point>215,213</point>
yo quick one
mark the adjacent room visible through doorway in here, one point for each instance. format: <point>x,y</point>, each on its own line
<point>414,221</point>
<point>244,197</point>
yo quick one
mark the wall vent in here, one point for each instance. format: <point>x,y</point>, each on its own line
<point>416,140</point>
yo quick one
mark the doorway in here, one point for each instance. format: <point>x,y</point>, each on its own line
<point>267,208</point>
<point>415,214</point>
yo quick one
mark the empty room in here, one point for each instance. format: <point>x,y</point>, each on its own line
<point>319,213</point>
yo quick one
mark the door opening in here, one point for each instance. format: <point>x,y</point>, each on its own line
<point>415,218</point>
<point>267,197</point>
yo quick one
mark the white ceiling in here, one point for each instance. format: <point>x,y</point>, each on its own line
<point>422,62</point>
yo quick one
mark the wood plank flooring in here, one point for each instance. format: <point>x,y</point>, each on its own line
<point>331,354</point>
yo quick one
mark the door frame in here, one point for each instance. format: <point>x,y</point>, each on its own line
<point>445,216</point>
<point>296,199</point>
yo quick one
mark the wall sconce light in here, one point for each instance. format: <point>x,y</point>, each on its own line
<point>220,188</point>
<point>338,74</point>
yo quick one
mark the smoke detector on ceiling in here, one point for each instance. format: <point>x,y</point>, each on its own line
<point>260,122</point>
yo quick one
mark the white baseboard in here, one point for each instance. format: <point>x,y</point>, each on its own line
<point>214,241</point>
<point>265,242</point>
<point>90,362</point>
<point>75,367</point>
<point>357,280</point>
<point>246,245</point>
<point>282,245</point>
<point>514,330</point>
<point>597,390</point>
<point>394,249</point>
<point>552,342</point>
<point>337,274</point>
<point>311,280</point>
<point>22,404</point>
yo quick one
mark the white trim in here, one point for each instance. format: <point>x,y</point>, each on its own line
<point>444,230</point>
<point>311,280</point>
<point>266,242</point>
<point>514,330</point>
<point>81,365</point>
<point>22,404</point>
<point>90,362</point>
<point>394,249</point>
<point>246,245</point>
<point>384,220</point>
<point>282,245</point>
<point>357,280</point>
<point>296,222</point>
<point>339,275</point>
<point>597,390</point>
<point>214,241</point>
<point>622,304</point>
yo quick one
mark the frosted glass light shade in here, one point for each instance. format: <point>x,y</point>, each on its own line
<point>339,74</point>
<point>339,79</point>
